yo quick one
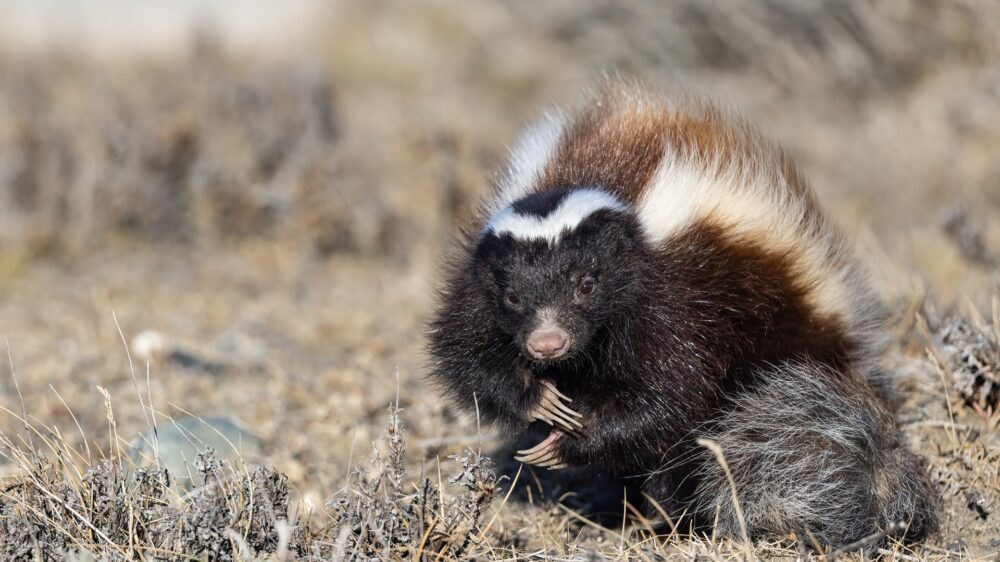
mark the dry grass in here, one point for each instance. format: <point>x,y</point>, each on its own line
<point>63,503</point>
<point>64,499</point>
<point>277,221</point>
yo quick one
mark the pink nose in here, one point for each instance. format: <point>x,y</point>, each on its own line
<point>548,343</point>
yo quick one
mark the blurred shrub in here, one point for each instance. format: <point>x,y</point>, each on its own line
<point>204,148</point>
<point>194,151</point>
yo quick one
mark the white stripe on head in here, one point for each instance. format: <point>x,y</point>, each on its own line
<point>574,208</point>
<point>527,159</point>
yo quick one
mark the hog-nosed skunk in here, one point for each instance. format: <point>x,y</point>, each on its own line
<point>649,272</point>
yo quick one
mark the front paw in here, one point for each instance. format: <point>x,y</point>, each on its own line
<point>546,453</point>
<point>552,409</point>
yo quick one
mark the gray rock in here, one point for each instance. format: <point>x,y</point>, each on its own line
<point>180,441</point>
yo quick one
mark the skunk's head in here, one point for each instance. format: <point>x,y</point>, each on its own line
<point>559,265</point>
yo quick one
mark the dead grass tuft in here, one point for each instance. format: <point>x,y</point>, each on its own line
<point>56,506</point>
<point>382,515</point>
<point>115,511</point>
<point>974,360</point>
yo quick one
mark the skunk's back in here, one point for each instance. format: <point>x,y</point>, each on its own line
<point>682,164</point>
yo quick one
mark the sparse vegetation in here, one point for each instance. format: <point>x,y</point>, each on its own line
<point>61,505</point>
<point>277,222</point>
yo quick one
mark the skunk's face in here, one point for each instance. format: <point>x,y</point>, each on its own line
<point>553,295</point>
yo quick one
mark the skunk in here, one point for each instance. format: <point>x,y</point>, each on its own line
<point>648,272</point>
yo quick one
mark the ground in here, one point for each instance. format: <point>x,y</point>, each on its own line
<point>274,225</point>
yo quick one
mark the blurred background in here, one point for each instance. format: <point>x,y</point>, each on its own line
<point>258,193</point>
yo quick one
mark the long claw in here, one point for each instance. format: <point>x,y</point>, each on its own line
<point>544,454</point>
<point>565,426</point>
<point>552,460</point>
<point>552,387</point>
<point>545,443</point>
<point>536,457</point>
<point>541,452</point>
<point>564,420</point>
<point>566,423</point>
<point>545,410</point>
<point>567,409</point>
<point>541,458</point>
<point>530,452</point>
<point>560,411</point>
<point>539,415</point>
<point>551,409</point>
<point>555,404</point>
<point>554,420</point>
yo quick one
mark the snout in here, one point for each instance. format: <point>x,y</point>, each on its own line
<point>548,343</point>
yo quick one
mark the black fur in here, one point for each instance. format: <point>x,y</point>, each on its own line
<point>540,204</point>
<point>672,340</point>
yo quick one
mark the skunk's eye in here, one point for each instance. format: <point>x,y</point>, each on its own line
<point>587,286</point>
<point>513,299</point>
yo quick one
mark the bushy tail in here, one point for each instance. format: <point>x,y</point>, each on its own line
<point>815,452</point>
